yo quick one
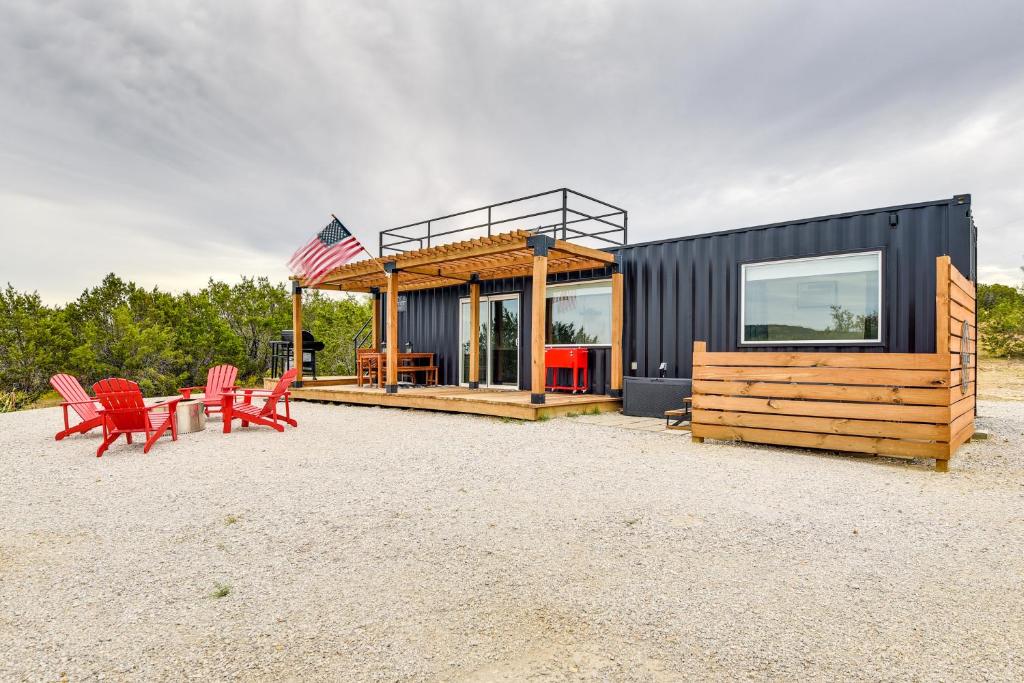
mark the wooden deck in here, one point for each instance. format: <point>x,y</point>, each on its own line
<point>493,402</point>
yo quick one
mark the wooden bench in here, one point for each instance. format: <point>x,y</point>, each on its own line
<point>429,373</point>
<point>674,418</point>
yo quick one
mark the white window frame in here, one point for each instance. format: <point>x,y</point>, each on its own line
<point>810,342</point>
<point>559,285</point>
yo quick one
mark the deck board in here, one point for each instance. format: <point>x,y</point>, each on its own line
<point>492,402</point>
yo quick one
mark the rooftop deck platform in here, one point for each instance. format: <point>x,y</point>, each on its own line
<point>493,402</point>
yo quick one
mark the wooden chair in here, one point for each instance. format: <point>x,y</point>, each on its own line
<point>266,414</point>
<point>70,389</point>
<point>124,412</point>
<point>367,367</point>
<point>219,379</point>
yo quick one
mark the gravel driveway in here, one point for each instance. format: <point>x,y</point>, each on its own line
<point>374,544</point>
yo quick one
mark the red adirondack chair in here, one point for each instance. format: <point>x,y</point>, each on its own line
<point>124,412</point>
<point>70,389</point>
<point>218,379</point>
<point>266,414</point>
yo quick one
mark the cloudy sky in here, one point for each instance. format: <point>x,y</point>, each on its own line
<point>172,141</point>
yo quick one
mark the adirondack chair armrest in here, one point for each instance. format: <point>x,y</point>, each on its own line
<point>94,401</point>
<point>186,392</point>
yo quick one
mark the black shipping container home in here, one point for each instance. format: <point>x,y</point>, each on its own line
<point>850,332</point>
<point>692,287</point>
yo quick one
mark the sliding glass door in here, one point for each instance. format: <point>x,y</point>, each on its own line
<point>498,341</point>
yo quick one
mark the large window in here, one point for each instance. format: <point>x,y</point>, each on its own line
<point>826,299</point>
<point>579,314</point>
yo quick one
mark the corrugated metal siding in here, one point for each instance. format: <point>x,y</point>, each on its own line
<point>684,289</point>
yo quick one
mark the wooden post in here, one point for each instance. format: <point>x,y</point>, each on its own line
<point>615,381</point>
<point>698,347</point>
<point>942,265</point>
<point>297,330</point>
<point>538,304</point>
<point>474,335</point>
<point>375,319</point>
<point>391,385</point>
<point>375,339</point>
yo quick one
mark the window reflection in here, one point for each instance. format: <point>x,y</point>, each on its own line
<point>828,299</point>
<point>579,313</point>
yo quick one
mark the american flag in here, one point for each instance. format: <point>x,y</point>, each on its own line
<point>565,303</point>
<point>331,247</point>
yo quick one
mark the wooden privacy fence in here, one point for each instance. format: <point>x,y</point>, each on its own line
<point>909,405</point>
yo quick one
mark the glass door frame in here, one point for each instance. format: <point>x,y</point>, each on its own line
<point>485,354</point>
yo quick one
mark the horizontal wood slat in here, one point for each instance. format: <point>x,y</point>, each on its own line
<point>960,407</point>
<point>893,361</point>
<point>859,444</point>
<point>955,345</point>
<point>827,425</point>
<point>955,379</point>
<point>963,298</point>
<point>958,279</point>
<point>828,392</point>
<point>954,360</point>
<point>860,411</point>
<point>959,314</point>
<point>826,375</point>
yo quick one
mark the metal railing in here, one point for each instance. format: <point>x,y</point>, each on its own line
<point>571,223</point>
<point>362,335</point>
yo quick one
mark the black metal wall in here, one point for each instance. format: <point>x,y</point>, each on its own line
<point>686,289</point>
<point>431,323</point>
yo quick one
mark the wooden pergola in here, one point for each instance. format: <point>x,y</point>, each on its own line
<point>510,254</point>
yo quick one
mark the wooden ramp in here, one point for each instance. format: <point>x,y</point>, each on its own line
<point>493,402</point>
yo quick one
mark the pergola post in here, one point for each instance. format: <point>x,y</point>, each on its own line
<point>391,383</point>
<point>297,330</point>
<point>474,333</point>
<point>615,381</point>
<point>375,319</point>
<point>538,304</point>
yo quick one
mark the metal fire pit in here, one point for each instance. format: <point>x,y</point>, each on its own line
<point>190,417</point>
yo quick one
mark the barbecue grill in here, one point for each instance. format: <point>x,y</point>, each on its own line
<point>282,353</point>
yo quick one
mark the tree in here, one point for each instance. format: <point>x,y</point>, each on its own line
<point>1001,319</point>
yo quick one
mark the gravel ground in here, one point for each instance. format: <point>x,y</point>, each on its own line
<point>375,544</point>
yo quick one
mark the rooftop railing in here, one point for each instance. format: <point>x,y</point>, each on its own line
<point>563,214</point>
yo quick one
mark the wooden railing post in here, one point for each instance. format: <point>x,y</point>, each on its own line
<point>615,381</point>
<point>701,348</point>
<point>474,335</point>
<point>391,383</point>
<point>297,330</point>
<point>942,275</point>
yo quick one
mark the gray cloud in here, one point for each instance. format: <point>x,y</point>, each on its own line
<point>172,141</point>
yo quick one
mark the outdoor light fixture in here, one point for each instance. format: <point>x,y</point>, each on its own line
<point>663,369</point>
